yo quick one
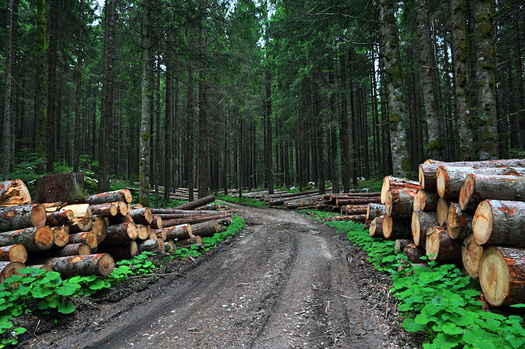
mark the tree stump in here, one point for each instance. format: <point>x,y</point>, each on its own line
<point>60,187</point>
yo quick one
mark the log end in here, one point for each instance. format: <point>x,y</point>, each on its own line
<point>467,190</point>
<point>482,222</point>
<point>416,228</point>
<point>441,181</point>
<point>38,215</point>
<point>18,253</point>
<point>442,211</point>
<point>105,265</point>
<point>388,226</point>
<point>44,237</point>
<point>433,242</point>
<point>494,276</point>
<point>471,254</point>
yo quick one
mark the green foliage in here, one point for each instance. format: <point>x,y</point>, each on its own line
<point>437,299</point>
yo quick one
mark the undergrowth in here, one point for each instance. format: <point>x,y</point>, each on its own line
<point>436,299</point>
<point>242,201</point>
<point>47,291</point>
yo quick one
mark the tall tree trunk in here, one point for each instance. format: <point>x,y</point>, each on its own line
<point>189,121</point>
<point>104,149</point>
<point>6,146</point>
<point>80,57</point>
<point>333,137</point>
<point>52,88</point>
<point>519,96</point>
<point>157,163</point>
<point>345,144</point>
<point>485,80</point>
<point>269,137</point>
<point>204,173</point>
<point>395,82</point>
<point>146,94</point>
<point>435,145</point>
<point>458,11</point>
<point>41,110</point>
<point>168,133</point>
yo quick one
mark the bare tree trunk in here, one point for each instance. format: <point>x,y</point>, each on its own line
<point>168,134</point>
<point>80,57</point>
<point>458,9</point>
<point>203,105</point>
<point>104,149</point>
<point>6,146</point>
<point>485,80</point>
<point>41,111</point>
<point>52,88</point>
<point>394,82</point>
<point>144,158</point>
<point>435,146</point>
<point>345,156</point>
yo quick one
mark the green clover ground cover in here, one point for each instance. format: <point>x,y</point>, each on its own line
<point>437,299</point>
<point>47,291</point>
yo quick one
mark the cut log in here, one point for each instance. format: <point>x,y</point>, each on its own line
<point>375,210</point>
<point>179,232</point>
<point>459,223</point>
<point>354,209</point>
<point>13,253</point>
<point>151,245</point>
<point>109,209</point>
<point>421,222</point>
<point>396,228</point>
<point>8,269</point>
<point>18,217</point>
<point>299,202</point>
<point>121,234</point>
<point>123,208</point>
<point>83,218</point>
<point>33,238</point>
<point>89,238</point>
<point>14,193</point>
<point>225,221</point>
<point>440,247</point>
<point>125,251</point>
<point>197,203</point>
<point>478,187</point>
<point>367,224</point>
<point>471,254</point>
<point>161,234</point>
<point>502,276</point>
<point>101,264</point>
<point>60,187</point>
<point>399,203</point>
<point>390,182</point>
<point>59,217</point>
<point>69,250</point>
<point>499,223</point>
<point>376,228</point>
<point>61,236</point>
<point>141,216</point>
<point>175,211</point>
<point>142,232</point>
<point>442,211</point>
<point>356,218</point>
<point>427,172</point>
<point>400,244</point>
<point>110,196</point>
<point>357,201</point>
<point>205,229</point>
<point>425,200</point>
<point>194,240</point>
<point>414,253</point>
<point>193,219</point>
<point>99,228</point>
<point>157,222</point>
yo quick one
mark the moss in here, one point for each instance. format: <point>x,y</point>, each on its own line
<point>435,145</point>
<point>145,136</point>
<point>406,165</point>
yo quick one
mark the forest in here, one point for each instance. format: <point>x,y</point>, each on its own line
<point>249,94</point>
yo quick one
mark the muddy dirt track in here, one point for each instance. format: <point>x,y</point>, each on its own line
<point>285,282</point>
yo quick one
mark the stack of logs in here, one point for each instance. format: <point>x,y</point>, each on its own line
<point>85,238</point>
<point>469,213</point>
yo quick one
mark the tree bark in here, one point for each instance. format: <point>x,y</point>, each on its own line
<point>361,218</point>
<point>391,182</point>
<point>204,171</point>
<point>478,187</point>
<point>60,187</point>
<point>205,229</point>
<point>399,203</point>
<point>59,217</point>
<point>110,196</point>
<point>421,222</point>
<point>109,209</point>
<point>425,200</point>
<point>502,276</point>
<point>196,203</point>
<point>179,232</point>
<point>52,88</point>
<point>459,223</point>
<point>121,234</point>
<point>13,253</point>
<point>376,228</point>
<point>396,228</point>
<point>142,216</point>
<point>41,110</point>
<point>375,210</point>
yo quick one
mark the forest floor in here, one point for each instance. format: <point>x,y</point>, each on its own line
<point>286,281</point>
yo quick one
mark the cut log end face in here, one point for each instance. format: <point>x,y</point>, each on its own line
<point>44,237</point>
<point>441,181</point>
<point>482,222</point>
<point>421,176</point>
<point>467,189</point>
<point>416,229</point>
<point>471,254</point>
<point>433,243</point>
<point>494,276</point>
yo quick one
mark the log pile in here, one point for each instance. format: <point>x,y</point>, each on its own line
<point>86,237</point>
<point>469,213</point>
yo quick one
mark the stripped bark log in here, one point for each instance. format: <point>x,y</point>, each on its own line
<point>354,209</point>
<point>18,217</point>
<point>502,276</point>
<point>14,193</point>
<point>357,201</point>
<point>499,223</point>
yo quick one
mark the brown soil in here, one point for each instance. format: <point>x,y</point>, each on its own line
<point>284,282</point>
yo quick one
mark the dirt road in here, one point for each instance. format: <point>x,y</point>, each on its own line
<point>286,282</point>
